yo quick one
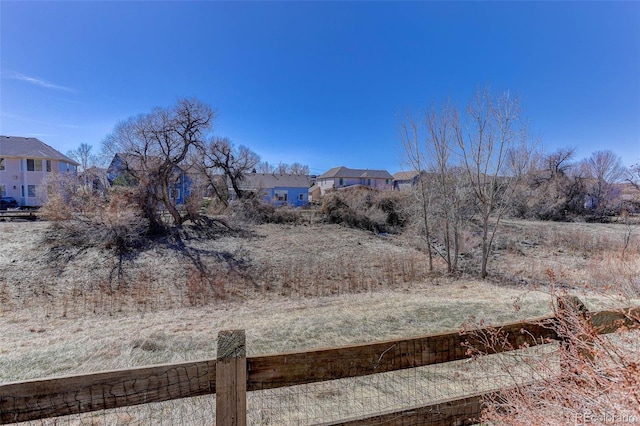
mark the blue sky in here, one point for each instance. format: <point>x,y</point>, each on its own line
<point>321,83</point>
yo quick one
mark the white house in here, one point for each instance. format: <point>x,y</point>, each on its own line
<point>24,165</point>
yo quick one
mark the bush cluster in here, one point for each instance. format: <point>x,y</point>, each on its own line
<point>365,209</point>
<point>114,223</point>
<point>254,211</point>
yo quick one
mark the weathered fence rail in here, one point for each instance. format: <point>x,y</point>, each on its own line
<point>18,214</point>
<point>232,374</point>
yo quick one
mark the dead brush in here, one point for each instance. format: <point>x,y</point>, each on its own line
<point>6,304</point>
<point>197,285</point>
<point>141,291</point>
<point>588,377</point>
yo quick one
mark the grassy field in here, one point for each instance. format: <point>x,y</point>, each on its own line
<point>68,310</point>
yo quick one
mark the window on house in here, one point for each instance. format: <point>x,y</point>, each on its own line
<point>301,197</point>
<point>34,165</point>
<point>388,181</point>
<point>280,194</point>
<point>341,182</point>
<point>31,190</point>
<point>23,190</point>
<point>369,182</point>
<point>48,165</point>
<point>3,191</point>
<point>1,163</point>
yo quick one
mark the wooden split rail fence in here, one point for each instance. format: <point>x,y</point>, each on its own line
<point>232,375</point>
<point>19,214</point>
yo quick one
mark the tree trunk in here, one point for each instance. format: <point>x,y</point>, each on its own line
<point>485,242</point>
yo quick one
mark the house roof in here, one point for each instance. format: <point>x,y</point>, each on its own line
<point>18,146</point>
<point>133,162</point>
<point>255,181</point>
<point>405,175</point>
<point>344,172</point>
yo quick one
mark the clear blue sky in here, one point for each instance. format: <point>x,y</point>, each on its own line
<point>321,83</point>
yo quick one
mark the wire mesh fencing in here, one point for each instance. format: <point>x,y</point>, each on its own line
<point>432,380</point>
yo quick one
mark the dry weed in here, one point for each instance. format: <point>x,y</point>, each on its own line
<point>588,378</point>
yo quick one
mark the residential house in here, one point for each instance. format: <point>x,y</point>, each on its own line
<point>277,189</point>
<point>25,164</point>
<point>124,168</point>
<point>405,180</point>
<point>343,177</point>
<point>96,179</point>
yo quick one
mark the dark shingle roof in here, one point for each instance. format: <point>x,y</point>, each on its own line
<point>343,172</point>
<point>254,181</point>
<point>17,146</point>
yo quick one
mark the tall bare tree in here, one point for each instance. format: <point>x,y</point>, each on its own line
<point>449,185</point>
<point>157,144</point>
<point>492,128</point>
<point>414,152</point>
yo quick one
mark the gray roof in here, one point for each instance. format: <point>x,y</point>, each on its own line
<point>405,175</point>
<point>343,172</point>
<point>17,146</point>
<point>255,181</point>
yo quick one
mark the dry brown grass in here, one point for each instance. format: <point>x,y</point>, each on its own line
<point>291,287</point>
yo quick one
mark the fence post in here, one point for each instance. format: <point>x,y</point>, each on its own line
<point>577,327</point>
<point>231,379</point>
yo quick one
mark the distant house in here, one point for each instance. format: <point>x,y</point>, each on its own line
<point>25,164</point>
<point>95,178</point>
<point>125,168</point>
<point>343,177</point>
<point>405,180</point>
<point>278,189</point>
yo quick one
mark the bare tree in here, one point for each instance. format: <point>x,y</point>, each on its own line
<point>448,183</point>
<point>604,168</point>
<point>475,162</point>
<point>411,141</point>
<point>283,168</point>
<point>559,162</point>
<point>633,175</point>
<point>556,186</point>
<point>221,157</point>
<point>83,155</point>
<point>492,128</point>
<point>157,144</point>
<point>298,169</point>
<point>265,167</point>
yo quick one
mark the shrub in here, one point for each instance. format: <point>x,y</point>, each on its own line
<point>252,210</point>
<point>114,224</point>
<point>365,209</point>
